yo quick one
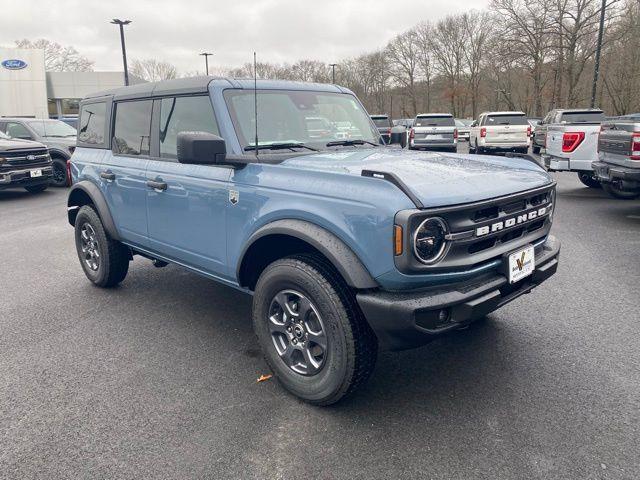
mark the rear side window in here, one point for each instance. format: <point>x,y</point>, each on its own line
<point>132,127</point>
<point>443,121</point>
<point>506,120</point>
<point>184,114</point>
<point>92,122</point>
<point>582,117</point>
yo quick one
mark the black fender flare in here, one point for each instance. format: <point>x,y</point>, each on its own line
<point>54,151</point>
<point>333,248</point>
<point>77,198</point>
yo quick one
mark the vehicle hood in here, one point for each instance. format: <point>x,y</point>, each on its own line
<point>436,179</point>
<point>15,143</point>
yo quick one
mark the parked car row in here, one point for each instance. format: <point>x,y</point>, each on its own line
<point>34,153</point>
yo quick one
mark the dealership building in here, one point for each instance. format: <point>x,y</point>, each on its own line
<point>27,90</point>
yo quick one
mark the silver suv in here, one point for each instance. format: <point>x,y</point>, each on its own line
<point>57,136</point>
<point>436,131</point>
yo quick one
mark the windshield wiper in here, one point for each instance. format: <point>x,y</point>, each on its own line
<point>348,143</point>
<point>279,146</point>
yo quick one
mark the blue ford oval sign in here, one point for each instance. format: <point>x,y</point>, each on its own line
<point>14,64</point>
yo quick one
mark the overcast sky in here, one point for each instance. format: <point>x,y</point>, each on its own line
<point>177,30</point>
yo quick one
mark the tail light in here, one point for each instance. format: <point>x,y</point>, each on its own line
<point>598,141</point>
<point>635,147</point>
<point>455,133</point>
<point>69,172</point>
<point>483,132</point>
<point>571,140</point>
<point>529,131</point>
<point>412,134</point>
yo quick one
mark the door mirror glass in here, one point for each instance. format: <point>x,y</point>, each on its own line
<point>201,148</point>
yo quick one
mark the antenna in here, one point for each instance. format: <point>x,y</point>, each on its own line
<point>255,97</point>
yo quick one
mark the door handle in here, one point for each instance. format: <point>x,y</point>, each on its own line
<point>157,185</point>
<point>108,176</point>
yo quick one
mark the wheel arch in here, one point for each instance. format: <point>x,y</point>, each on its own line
<point>56,153</point>
<point>87,193</point>
<point>282,238</point>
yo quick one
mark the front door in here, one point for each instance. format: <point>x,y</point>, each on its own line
<point>187,214</point>
<point>122,172</point>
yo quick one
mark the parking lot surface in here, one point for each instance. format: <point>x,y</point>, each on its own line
<point>157,378</point>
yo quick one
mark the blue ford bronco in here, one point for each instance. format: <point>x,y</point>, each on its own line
<point>346,245</point>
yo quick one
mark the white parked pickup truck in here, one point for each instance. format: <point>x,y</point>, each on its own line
<point>500,131</point>
<point>571,143</point>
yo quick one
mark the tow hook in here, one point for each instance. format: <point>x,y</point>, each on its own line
<point>159,263</point>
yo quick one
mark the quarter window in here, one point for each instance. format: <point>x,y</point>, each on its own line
<point>91,127</point>
<point>184,114</point>
<point>132,128</point>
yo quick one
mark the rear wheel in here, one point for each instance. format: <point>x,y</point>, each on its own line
<point>615,192</point>
<point>104,260</point>
<point>59,178</point>
<point>589,179</point>
<point>535,150</point>
<point>311,330</point>
<point>36,188</point>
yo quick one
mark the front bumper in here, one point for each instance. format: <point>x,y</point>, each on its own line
<point>23,178</point>
<point>409,319</point>
<point>628,178</point>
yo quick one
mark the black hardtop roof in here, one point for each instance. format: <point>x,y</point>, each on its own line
<point>156,89</point>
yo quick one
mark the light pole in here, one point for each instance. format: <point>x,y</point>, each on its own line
<point>333,72</point>
<point>121,24</point>
<point>596,63</point>
<point>206,56</point>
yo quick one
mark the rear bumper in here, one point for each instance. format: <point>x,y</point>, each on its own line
<point>628,178</point>
<point>433,144</point>
<point>503,147</point>
<point>22,178</point>
<point>408,319</point>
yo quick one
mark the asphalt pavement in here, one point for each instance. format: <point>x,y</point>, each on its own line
<point>157,378</point>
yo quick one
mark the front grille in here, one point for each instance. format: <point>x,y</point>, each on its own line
<point>18,159</point>
<point>484,231</point>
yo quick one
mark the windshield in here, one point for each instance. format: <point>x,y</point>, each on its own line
<point>432,121</point>
<point>52,128</point>
<point>298,116</point>
<point>582,117</point>
<point>508,119</point>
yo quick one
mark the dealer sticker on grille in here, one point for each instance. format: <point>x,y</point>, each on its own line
<point>522,263</point>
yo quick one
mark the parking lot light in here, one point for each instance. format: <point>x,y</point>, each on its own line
<point>121,24</point>
<point>206,56</point>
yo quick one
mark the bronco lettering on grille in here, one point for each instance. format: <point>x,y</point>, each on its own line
<point>513,221</point>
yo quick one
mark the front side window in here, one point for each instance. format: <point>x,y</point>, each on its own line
<point>298,116</point>
<point>17,130</point>
<point>184,114</point>
<point>92,123</point>
<point>132,127</point>
<point>381,122</point>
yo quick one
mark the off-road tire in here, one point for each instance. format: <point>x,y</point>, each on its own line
<point>352,346</point>
<point>36,188</point>
<point>619,194</point>
<point>113,256</point>
<point>59,178</point>
<point>589,180</point>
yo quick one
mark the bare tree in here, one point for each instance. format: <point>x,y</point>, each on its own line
<point>58,58</point>
<point>449,45</point>
<point>402,51</point>
<point>153,70</point>
<point>478,31</point>
<point>424,43</point>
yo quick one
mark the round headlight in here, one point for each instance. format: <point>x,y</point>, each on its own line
<point>429,240</point>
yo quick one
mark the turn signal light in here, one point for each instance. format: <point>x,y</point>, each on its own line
<point>397,240</point>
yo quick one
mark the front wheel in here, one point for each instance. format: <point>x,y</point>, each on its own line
<point>105,261</point>
<point>615,192</point>
<point>59,178</point>
<point>311,330</point>
<point>589,179</point>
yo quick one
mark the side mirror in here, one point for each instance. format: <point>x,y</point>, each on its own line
<point>201,148</point>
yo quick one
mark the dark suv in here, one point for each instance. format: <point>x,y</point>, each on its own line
<point>24,164</point>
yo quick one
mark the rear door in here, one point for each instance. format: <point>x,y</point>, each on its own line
<point>187,219</point>
<point>122,171</point>
<point>507,129</point>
